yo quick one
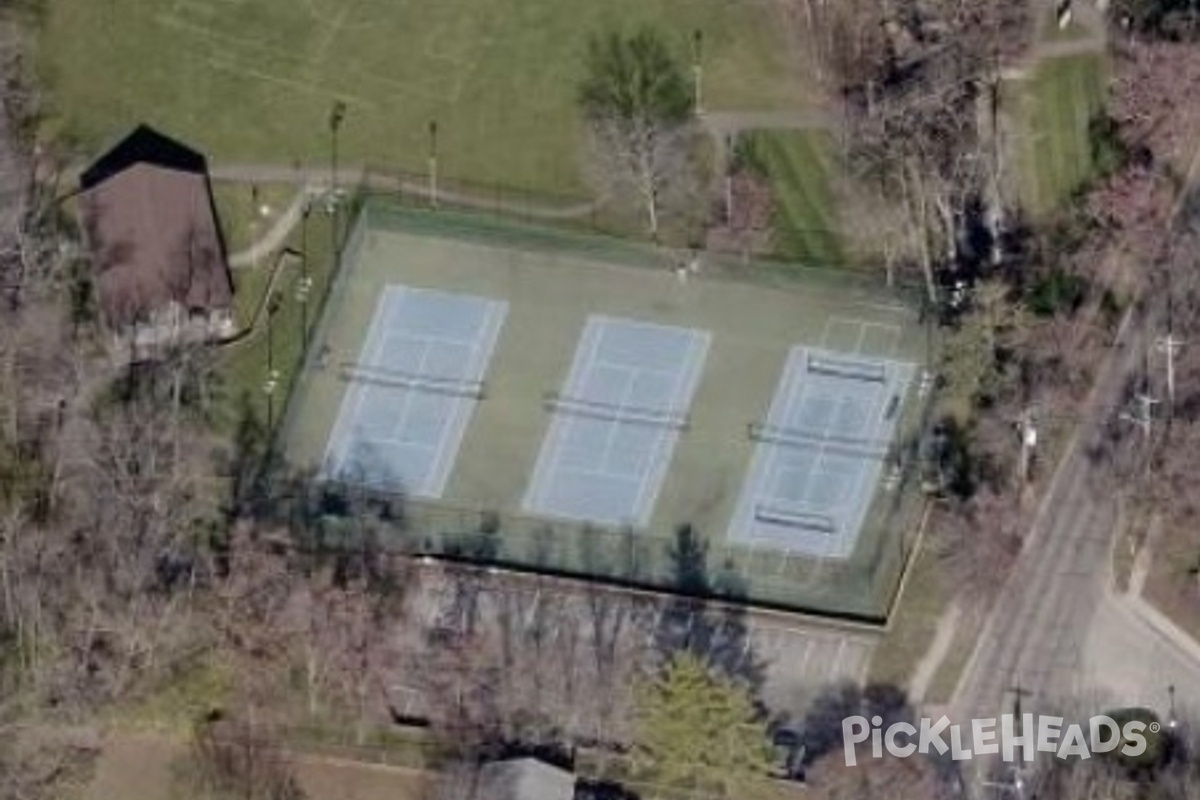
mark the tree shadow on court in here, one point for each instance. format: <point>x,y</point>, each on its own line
<point>707,616</point>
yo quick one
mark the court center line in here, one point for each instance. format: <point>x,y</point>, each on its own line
<point>794,386</point>
<point>460,408</point>
<point>560,424</point>
<point>406,406</point>
<point>665,439</point>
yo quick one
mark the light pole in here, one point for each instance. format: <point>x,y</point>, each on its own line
<point>336,115</point>
<point>1171,723</point>
<point>272,381</point>
<point>697,74</point>
<point>305,286</point>
<point>433,155</point>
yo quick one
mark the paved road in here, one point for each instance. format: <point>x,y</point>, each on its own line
<point>1037,633</point>
<point>1128,662</point>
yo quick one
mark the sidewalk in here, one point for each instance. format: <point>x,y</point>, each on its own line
<point>273,239</point>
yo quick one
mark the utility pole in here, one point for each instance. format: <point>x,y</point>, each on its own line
<point>697,70</point>
<point>1142,414</point>
<point>1016,785</point>
<point>1027,430</point>
<point>1173,722</point>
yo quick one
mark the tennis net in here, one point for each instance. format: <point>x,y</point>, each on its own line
<point>396,379</point>
<point>794,518</point>
<point>614,412</point>
<point>827,442</point>
<point>870,371</point>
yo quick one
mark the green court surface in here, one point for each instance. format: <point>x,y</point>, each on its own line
<point>797,166</point>
<point>1055,108</point>
<point>254,80</point>
<point>552,281</point>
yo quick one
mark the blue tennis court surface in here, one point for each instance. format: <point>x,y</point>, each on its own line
<point>413,389</point>
<point>616,421</point>
<point>820,452</point>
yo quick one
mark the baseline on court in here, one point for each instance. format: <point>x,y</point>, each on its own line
<point>411,393</point>
<point>616,421</point>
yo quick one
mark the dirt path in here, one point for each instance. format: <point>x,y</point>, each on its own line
<point>355,176</point>
<point>927,667</point>
<point>273,239</point>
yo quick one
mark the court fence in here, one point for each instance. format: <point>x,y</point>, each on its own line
<point>381,211</point>
<point>580,212</point>
<point>332,517</point>
<point>335,517</point>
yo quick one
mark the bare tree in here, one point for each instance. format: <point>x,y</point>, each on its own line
<point>638,108</point>
<point>232,759</point>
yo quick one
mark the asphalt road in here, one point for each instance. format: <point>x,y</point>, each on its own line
<point>1037,634</point>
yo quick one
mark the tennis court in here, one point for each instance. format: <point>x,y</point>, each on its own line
<point>820,452</point>
<point>413,389</point>
<point>616,408</point>
<point>616,421</point>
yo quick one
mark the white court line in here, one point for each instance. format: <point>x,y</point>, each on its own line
<point>831,324</point>
<point>401,423</point>
<point>666,439</point>
<point>862,336</point>
<point>864,467</point>
<point>548,454</point>
<point>559,423</point>
<point>483,345</point>
<point>586,364</point>
<point>456,410</point>
<point>796,386</point>
<point>895,333</point>
<point>335,446</point>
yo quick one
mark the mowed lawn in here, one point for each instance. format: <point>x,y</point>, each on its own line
<point>254,80</point>
<point>796,164</point>
<point>1059,102</point>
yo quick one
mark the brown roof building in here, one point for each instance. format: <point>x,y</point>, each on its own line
<point>158,257</point>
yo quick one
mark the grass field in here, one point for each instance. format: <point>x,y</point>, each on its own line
<point>243,364</point>
<point>796,164</point>
<point>1056,105</point>
<point>552,281</point>
<point>254,80</point>
<point>1172,585</point>
<point>240,209</point>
